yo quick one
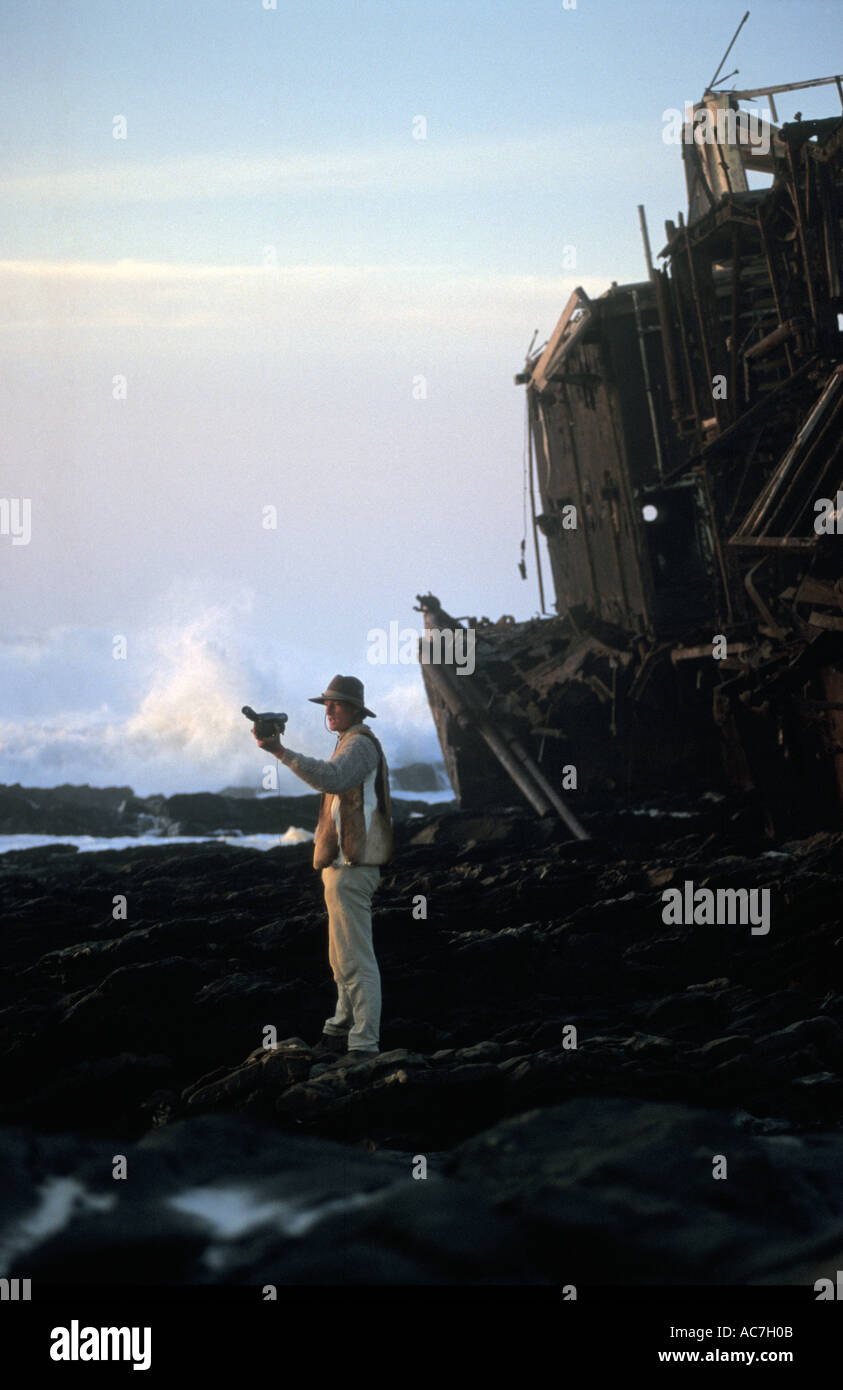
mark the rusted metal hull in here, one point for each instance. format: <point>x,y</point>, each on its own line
<point>687,438</point>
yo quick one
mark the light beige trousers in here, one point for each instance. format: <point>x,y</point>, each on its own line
<point>348,898</point>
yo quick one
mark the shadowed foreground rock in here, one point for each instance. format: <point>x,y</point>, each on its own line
<point>592,1192</point>
<point>543,973</point>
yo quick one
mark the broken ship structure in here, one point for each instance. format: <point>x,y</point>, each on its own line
<point>684,457</point>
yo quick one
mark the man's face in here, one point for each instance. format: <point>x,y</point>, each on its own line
<point>341,715</point>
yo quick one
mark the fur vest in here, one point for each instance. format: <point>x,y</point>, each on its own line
<point>358,845</point>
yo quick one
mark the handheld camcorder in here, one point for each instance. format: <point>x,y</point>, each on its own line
<point>266,725</point>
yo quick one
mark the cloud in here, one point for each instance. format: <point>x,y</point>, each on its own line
<point>24,648</point>
<point>308,302</point>
<point>404,716</point>
<point>184,678</point>
<point>414,165</point>
<point>183,729</point>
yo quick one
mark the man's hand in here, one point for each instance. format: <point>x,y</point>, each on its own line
<point>272,745</point>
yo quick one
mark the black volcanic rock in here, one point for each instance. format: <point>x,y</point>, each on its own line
<point>112,811</point>
<point>418,777</point>
<point>540,978</point>
<point>593,1192</point>
<point>221,1199</point>
<point>203,813</point>
<point>619,1191</point>
<point>64,810</point>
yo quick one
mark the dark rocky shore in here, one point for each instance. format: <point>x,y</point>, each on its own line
<point>567,1066</point>
<point>115,811</point>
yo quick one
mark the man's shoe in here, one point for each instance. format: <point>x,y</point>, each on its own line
<point>330,1045</point>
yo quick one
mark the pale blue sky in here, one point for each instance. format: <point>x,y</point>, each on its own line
<point>220,95</point>
<point>271,260</point>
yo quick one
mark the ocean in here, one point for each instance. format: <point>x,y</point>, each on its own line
<point>294,835</point>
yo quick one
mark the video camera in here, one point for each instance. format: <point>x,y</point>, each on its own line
<point>266,725</point>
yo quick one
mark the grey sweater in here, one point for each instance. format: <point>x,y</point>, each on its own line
<point>349,766</point>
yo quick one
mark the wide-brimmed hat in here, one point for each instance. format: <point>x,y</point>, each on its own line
<point>347,688</point>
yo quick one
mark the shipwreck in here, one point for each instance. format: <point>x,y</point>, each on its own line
<point>684,467</point>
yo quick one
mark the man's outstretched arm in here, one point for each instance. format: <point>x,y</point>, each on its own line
<point>352,767</point>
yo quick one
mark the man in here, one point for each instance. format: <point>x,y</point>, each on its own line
<point>353,838</point>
